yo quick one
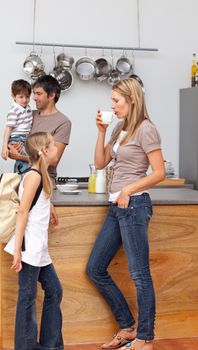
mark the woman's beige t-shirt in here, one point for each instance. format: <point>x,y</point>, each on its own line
<point>131,161</point>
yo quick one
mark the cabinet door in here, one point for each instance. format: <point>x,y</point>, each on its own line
<point>188,150</point>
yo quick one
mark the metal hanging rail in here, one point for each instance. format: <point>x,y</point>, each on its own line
<point>87,46</point>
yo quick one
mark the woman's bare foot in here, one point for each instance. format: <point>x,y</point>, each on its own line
<point>121,338</point>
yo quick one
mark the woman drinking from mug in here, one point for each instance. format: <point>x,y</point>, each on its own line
<point>135,144</point>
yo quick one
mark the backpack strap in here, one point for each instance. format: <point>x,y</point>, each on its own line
<point>39,189</point>
<point>36,197</point>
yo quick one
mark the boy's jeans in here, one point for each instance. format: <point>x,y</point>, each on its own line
<point>51,322</point>
<point>128,227</point>
<point>19,165</point>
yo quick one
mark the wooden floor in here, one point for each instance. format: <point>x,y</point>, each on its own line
<point>167,344</point>
<point>163,344</point>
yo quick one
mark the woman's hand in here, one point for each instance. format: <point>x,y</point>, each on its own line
<point>101,127</point>
<point>16,263</point>
<point>123,199</point>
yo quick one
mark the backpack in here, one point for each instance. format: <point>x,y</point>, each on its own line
<point>9,202</point>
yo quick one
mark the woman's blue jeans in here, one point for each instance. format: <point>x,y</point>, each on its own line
<point>128,227</point>
<point>51,321</point>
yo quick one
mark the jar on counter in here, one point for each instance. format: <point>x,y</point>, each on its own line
<point>101,181</point>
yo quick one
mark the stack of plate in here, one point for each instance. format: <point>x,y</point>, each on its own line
<point>68,188</point>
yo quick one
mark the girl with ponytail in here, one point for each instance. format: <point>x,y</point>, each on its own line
<point>34,263</point>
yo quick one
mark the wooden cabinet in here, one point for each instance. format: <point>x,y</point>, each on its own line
<point>173,237</point>
<point>188,144</point>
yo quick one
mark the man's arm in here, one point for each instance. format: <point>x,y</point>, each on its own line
<point>60,149</point>
<point>14,152</point>
<point>15,148</point>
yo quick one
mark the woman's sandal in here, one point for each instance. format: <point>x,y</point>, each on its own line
<point>131,345</point>
<point>119,339</point>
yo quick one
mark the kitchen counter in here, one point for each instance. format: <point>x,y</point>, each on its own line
<point>173,235</point>
<point>159,196</point>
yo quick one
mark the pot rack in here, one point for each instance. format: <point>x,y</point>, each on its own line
<point>123,48</point>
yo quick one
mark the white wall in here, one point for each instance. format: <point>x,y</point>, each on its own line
<point>170,26</point>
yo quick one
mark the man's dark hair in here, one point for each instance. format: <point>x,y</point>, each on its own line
<point>21,86</point>
<point>49,84</point>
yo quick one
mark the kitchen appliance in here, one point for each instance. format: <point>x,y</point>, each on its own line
<point>81,181</point>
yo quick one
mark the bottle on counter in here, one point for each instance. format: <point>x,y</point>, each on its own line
<point>196,77</point>
<point>92,179</point>
<point>170,172</point>
<point>194,69</point>
<point>101,181</point>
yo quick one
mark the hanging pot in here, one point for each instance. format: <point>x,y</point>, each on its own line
<point>64,61</point>
<point>85,68</point>
<point>136,77</point>
<point>123,66</point>
<point>33,65</point>
<point>114,77</point>
<point>103,69</point>
<point>64,77</point>
<point>34,77</point>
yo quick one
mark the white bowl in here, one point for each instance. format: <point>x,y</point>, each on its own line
<point>67,187</point>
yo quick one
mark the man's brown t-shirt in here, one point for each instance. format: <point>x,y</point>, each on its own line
<point>58,125</point>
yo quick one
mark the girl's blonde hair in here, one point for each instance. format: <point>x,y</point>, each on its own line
<point>34,145</point>
<point>132,91</point>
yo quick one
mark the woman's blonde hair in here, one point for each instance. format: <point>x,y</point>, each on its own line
<point>34,145</point>
<point>132,91</point>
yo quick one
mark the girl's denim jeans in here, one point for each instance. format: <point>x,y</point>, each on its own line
<point>51,321</point>
<point>128,227</point>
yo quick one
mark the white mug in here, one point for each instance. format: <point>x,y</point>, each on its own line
<point>106,117</point>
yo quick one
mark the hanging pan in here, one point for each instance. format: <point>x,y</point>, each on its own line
<point>103,69</point>
<point>85,68</point>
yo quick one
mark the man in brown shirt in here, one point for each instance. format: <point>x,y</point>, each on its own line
<point>46,91</point>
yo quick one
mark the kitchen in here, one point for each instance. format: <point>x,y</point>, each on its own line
<point>163,73</point>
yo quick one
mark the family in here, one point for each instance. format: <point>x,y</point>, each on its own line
<point>36,140</point>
